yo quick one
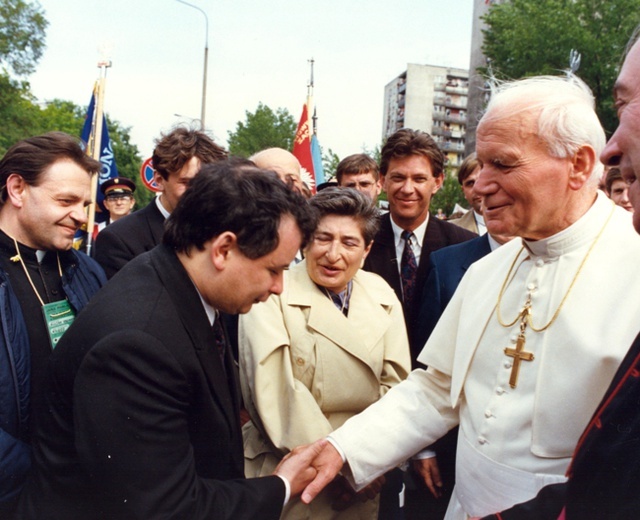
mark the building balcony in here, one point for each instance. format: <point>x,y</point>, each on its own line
<point>452,103</point>
<point>439,87</point>
<point>463,91</point>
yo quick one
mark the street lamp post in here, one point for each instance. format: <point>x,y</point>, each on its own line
<point>206,60</point>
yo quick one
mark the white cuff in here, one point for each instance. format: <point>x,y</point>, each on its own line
<point>287,490</point>
<point>424,454</point>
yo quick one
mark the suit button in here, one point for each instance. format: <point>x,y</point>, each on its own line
<point>482,440</point>
<point>299,361</point>
<point>488,414</point>
<point>499,390</point>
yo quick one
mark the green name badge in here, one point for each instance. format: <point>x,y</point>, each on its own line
<point>58,317</point>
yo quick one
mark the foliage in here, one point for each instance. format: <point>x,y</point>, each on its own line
<point>22,35</point>
<point>20,118</point>
<point>532,37</point>
<point>330,161</point>
<point>17,112</point>
<point>262,129</point>
<point>449,194</point>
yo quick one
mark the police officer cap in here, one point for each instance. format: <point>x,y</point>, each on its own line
<point>118,185</point>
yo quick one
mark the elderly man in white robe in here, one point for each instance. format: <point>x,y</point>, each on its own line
<point>517,358</point>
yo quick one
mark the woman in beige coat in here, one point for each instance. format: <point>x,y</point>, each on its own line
<point>330,345</point>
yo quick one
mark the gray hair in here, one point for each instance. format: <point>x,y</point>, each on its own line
<point>566,113</point>
<point>351,203</point>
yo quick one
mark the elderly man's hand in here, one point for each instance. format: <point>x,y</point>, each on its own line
<point>429,470</point>
<point>297,467</point>
<point>328,464</point>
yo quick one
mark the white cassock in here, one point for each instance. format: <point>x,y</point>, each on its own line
<point>513,441</point>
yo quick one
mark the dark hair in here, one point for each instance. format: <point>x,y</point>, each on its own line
<point>467,167</point>
<point>351,203</point>
<point>357,163</point>
<point>175,149</point>
<point>30,158</point>
<point>235,196</point>
<point>614,174</point>
<point>407,142</point>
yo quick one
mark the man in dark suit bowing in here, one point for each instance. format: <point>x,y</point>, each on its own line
<point>142,393</point>
<point>411,166</point>
<point>177,157</point>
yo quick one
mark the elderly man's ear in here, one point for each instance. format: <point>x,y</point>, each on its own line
<point>583,163</point>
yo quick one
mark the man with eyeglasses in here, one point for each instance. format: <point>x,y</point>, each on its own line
<point>118,199</point>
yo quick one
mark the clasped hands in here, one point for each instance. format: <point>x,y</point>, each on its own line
<point>311,468</point>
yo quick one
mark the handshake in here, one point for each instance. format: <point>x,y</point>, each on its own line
<point>309,469</point>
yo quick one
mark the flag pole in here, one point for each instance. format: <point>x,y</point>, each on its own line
<point>95,150</point>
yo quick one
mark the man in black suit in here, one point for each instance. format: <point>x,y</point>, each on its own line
<point>604,475</point>
<point>142,391</point>
<point>177,157</point>
<point>411,168</point>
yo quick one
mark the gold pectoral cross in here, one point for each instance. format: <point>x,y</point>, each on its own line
<point>518,354</point>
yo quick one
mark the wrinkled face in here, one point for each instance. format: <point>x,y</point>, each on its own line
<point>525,190</point>
<point>623,149</point>
<point>410,184</point>
<point>118,204</point>
<point>473,198</point>
<point>336,252</point>
<point>177,183</point>
<point>51,212</point>
<point>620,194</point>
<point>363,182</point>
<point>251,281</point>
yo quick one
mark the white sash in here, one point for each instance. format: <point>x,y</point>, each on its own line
<point>484,486</point>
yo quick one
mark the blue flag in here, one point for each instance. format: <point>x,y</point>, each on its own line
<point>107,159</point>
<point>316,155</point>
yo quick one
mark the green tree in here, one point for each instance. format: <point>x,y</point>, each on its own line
<point>532,37</point>
<point>262,129</point>
<point>18,113</point>
<point>330,161</point>
<point>22,35</point>
<point>449,194</point>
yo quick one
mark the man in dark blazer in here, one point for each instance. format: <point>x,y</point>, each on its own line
<point>177,157</point>
<point>411,166</point>
<point>447,268</point>
<point>143,403</point>
<point>411,169</point>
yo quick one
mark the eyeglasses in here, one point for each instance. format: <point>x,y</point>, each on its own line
<point>119,196</point>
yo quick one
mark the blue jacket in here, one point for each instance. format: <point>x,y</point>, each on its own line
<point>81,279</point>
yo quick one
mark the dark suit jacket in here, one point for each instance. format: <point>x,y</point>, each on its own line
<point>122,241</point>
<point>448,266</point>
<point>604,476</point>
<point>382,260</point>
<point>143,418</point>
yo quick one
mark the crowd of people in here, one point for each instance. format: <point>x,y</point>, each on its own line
<point>241,348</point>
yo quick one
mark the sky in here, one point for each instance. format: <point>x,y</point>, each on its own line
<point>259,51</point>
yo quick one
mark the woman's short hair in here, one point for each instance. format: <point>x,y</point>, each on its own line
<point>348,202</point>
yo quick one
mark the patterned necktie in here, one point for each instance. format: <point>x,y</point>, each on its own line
<point>221,341</point>
<point>408,270</point>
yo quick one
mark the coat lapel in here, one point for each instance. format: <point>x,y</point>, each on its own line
<point>366,313</point>
<point>196,325</point>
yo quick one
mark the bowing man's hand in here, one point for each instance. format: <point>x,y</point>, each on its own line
<point>328,464</point>
<point>297,466</point>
